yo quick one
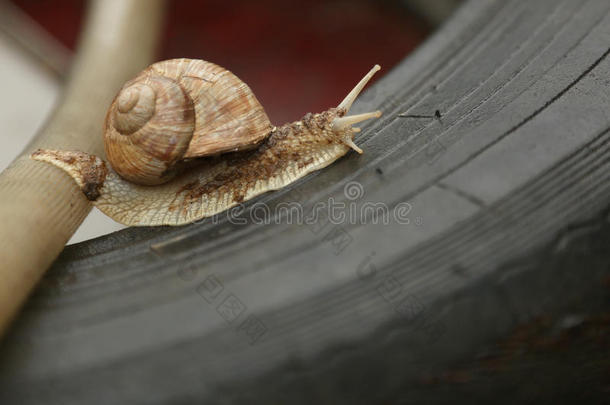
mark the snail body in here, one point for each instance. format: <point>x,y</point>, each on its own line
<point>180,180</point>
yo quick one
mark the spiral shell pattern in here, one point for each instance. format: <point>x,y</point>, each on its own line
<point>179,110</point>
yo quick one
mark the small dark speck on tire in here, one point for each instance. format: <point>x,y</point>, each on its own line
<point>378,170</point>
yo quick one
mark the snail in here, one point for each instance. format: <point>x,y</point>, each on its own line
<point>186,139</point>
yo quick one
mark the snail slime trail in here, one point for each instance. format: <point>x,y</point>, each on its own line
<point>186,139</point>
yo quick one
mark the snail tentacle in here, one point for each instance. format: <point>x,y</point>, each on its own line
<point>343,123</point>
<point>347,102</point>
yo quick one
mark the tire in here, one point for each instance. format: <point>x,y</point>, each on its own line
<point>489,287</point>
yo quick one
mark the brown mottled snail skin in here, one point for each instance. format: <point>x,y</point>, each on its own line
<point>186,139</point>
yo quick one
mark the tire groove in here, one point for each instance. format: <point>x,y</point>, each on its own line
<point>517,202</point>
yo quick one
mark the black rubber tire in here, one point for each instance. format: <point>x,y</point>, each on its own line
<point>494,290</point>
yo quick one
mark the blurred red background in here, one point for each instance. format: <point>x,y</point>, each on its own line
<point>300,56</point>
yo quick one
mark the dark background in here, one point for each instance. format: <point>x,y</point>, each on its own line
<point>280,49</point>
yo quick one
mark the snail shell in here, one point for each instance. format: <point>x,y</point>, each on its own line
<point>177,110</point>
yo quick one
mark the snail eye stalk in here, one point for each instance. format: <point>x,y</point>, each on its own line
<point>347,102</point>
<point>344,123</point>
